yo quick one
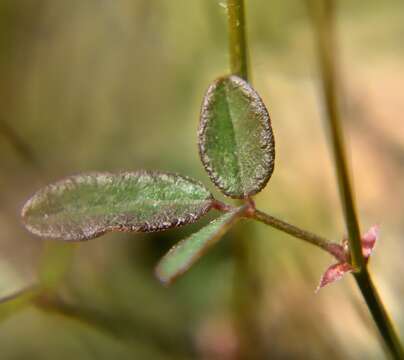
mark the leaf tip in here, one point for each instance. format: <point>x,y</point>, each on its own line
<point>164,280</point>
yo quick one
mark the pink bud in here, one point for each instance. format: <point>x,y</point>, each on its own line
<point>369,241</point>
<point>337,271</point>
<point>333,273</point>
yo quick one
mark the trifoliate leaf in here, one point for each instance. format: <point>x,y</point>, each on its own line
<point>184,254</point>
<point>236,143</point>
<point>86,206</point>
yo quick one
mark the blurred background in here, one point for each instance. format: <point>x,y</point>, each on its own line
<point>117,84</point>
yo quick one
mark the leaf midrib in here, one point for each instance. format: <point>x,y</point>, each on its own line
<point>131,204</point>
<point>240,174</point>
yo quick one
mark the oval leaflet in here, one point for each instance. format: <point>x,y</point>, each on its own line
<point>236,142</point>
<point>86,206</point>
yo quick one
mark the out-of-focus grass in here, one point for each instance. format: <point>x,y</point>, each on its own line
<point>107,85</point>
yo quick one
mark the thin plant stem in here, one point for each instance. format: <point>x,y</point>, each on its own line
<point>327,61</point>
<point>251,212</point>
<point>379,313</point>
<point>314,239</point>
<point>324,21</point>
<point>237,39</point>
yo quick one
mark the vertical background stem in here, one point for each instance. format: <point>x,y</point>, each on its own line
<point>323,15</point>
<point>326,42</point>
<point>246,291</point>
<point>237,39</point>
<point>379,313</point>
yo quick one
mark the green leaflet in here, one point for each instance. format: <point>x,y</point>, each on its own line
<point>184,254</point>
<point>85,206</point>
<point>236,143</point>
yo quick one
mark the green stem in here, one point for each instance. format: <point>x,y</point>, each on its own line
<point>316,240</point>
<point>332,248</point>
<point>324,18</point>
<point>327,62</point>
<point>237,39</point>
<point>379,313</point>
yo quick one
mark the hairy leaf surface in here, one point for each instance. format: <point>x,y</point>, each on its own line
<point>184,254</point>
<point>236,143</point>
<point>85,206</point>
